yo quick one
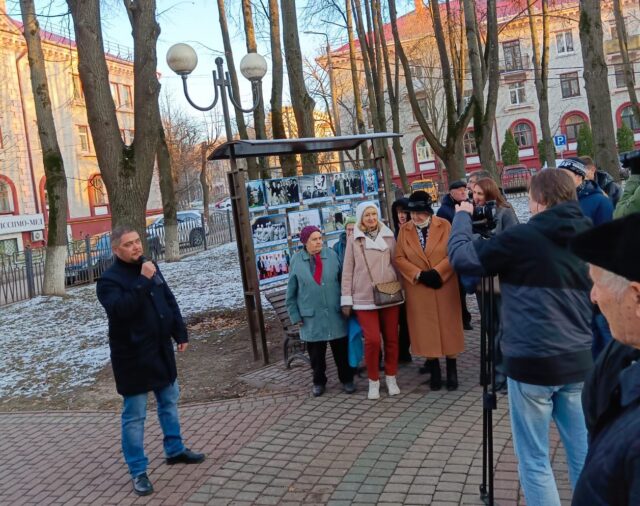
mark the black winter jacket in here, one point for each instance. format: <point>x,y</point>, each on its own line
<point>143,317</point>
<point>447,208</point>
<point>546,310</point>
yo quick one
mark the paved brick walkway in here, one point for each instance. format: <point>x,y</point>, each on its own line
<point>286,447</point>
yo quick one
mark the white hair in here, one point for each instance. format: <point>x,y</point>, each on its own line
<point>616,283</point>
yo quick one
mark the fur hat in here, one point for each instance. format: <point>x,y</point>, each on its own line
<point>614,246</point>
<point>420,202</point>
<point>306,232</point>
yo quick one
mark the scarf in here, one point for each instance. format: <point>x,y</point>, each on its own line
<point>372,234</point>
<point>423,232</point>
<point>317,272</point>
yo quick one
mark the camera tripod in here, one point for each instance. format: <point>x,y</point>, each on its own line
<point>488,329</point>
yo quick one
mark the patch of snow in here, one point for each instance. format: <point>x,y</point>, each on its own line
<point>51,345</point>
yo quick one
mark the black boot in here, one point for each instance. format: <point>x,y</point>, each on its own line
<point>436,377</point>
<point>452,374</point>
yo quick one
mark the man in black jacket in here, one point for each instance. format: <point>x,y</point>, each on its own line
<point>546,324</point>
<point>611,397</point>
<point>143,317</point>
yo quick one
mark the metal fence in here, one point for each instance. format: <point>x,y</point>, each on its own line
<point>22,273</point>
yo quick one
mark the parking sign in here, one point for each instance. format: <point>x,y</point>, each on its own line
<point>560,141</point>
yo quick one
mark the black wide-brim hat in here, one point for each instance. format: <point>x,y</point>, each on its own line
<point>419,202</point>
<point>614,246</point>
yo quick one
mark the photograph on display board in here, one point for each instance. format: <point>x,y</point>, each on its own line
<point>314,188</point>
<point>269,230</point>
<point>282,192</point>
<point>331,242</point>
<point>255,195</point>
<point>370,181</point>
<point>273,266</point>
<point>333,217</point>
<point>300,219</point>
<point>347,185</point>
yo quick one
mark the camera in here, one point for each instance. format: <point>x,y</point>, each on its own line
<point>484,218</point>
<point>631,161</point>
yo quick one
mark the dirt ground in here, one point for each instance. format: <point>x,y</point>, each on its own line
<point>219,352</point>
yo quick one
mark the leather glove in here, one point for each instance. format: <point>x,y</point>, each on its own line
<point>430,278</point>
<point>346,311</point>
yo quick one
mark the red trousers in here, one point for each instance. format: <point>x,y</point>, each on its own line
<point>373,323</point>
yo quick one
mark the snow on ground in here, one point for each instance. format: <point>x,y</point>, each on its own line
<point>51,345</point>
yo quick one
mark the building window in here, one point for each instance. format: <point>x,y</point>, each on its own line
<point>78,93</point>
<point>564,42</point>
<point>127,136</point>
<point>516,93</point>
<point>470,147</point>
<point>84,139</point>
<point>512,55</point>
<point>98,192</point>
<point>629,119</point>
<point>523,135</point>
<point>114,93</point>
<point>619,73</point>
<point>572,126</point>
<point>422,150</point>
<point>6,198</point>
<point>424,108</point>
<point>8,246</point>
<point>570,85</point>
<point>124,96</point>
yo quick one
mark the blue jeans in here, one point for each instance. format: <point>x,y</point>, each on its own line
<point>531,408</point>
<point>134,412</point>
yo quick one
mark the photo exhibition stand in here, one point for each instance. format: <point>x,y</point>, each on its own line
<point>242,149</point>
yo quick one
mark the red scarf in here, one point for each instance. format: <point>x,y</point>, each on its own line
<point>317,273</point>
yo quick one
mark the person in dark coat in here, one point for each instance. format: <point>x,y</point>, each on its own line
<point>611,397</point>
<point>546,325</point>
<point>457,193</point>
<point>341,246</point>
<point>143,318</point>
<point>400,215</point>
<point>603,180</point>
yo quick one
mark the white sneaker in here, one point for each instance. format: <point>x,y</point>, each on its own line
<point>374,390</point>
<point>392,385</point>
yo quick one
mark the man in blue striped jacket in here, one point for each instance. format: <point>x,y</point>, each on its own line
<point>546,318</point>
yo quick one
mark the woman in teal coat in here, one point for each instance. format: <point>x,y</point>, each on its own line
<point>313,301</point>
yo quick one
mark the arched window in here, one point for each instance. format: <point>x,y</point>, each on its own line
<point>572,127</point>
<point>470,147</point>
<point>6,198</point>
<point>98,191</point>
<point>629,119</point>
<point>523,135</point>
<point>422,151</point>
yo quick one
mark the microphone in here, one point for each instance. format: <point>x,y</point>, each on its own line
<point>155,278</point>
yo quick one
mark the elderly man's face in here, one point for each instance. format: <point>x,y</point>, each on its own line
<point>458,194</point>
<point>619,301</point>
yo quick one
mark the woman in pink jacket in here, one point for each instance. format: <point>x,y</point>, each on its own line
<point>368,262</point>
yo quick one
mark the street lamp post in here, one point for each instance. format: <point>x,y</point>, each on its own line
<point>332,90</point>
<point>182,59</point>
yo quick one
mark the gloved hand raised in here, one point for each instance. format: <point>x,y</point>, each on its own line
<point>430,278</point>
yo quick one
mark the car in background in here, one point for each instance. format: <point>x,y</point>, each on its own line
<point>84,267</point>
<point>224,204</point>
<point>427,185</point>
<point>516,178</point>
<point>190,230</point>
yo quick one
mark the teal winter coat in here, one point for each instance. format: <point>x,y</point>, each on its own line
<point>318,305</point>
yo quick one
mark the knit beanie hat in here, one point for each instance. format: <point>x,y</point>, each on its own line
<point>575,165</point>
<point>306,232</point>
<point>362,207</point>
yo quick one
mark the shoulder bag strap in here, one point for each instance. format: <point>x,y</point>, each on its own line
<point>367,263</point>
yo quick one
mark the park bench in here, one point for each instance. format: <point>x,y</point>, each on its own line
<point>293,347</point>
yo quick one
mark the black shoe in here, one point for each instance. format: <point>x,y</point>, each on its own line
<point>186,457</point>
<point>452,374</point>
<point>317,390</point>
<point>425,368</point>
<point>349,388</point>
<point>467,326</point>
<point>405,359</point>
<point>142,485</point>
<point>436,376</point>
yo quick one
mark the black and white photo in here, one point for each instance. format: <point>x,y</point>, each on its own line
<point>333,217</point>
<point>314,188</point>
<point>273,266</point>
<point>300,219</point>
<point>370,181</point>
<point>347,185</point>
<point>282,192</point>
<point>269,230</point>
<point>255,195</point>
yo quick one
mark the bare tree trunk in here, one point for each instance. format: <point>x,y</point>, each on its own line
<point>126,170</point>
<point>627,65</point>
<point>288,163</point>
<point>541,69</point>
<point>597,86</point>
<point>303,104</point>
<point>484,68</point>
<point>169,207</point>
<point>355,79</point>
<point>56,182</point>
<point>252,166</point>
